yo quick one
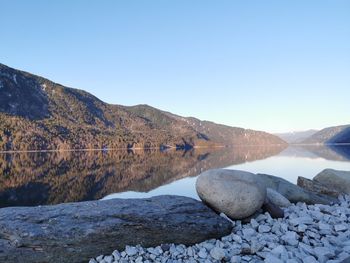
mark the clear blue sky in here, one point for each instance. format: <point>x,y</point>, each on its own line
<point>267,65</point>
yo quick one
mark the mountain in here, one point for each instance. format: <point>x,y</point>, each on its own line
<point>331,135</point>
<point>38,114</point>
<point>297,136</point>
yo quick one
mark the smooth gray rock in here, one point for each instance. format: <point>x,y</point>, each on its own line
<point>77,232</point>
<point>335,179</point>
<point>237,194</point>
<point>316,187</point>
<point>293,192</point>
<point>276,198</point>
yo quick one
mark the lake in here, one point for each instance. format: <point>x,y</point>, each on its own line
<point>39,178</point>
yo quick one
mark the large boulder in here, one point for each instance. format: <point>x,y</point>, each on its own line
<point>335,179</point>
<point>238,194</point>
<point>316,187</point>
<point>293,192</point>
<point>78,231</point>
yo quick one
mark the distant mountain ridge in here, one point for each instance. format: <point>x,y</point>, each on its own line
<point>38,114</point>
<point>331,135</point>
<point>297,136</point>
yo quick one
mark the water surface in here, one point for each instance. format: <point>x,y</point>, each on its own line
<point>30,179</point>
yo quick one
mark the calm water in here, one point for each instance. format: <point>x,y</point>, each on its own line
<point>29,179</point>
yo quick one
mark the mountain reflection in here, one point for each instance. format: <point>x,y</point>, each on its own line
<point>328,152</point>
<point>28,179</point>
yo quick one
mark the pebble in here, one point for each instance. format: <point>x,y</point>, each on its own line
<point>130,251</point>
<point>235,259</point>
<point>309,259</point>
<point>109,259</point>
<point>272,259</point>
<point>264,229</point>
<point>291,238</point>
<point>340,228</point>
<point>217,253</point>
<point>306,234</point>
<point>202,253</point>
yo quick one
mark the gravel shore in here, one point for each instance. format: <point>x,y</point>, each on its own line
<point>306,234</point>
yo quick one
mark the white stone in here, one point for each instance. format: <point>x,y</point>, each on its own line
<point>255,246</point>
<point>324,251</point>
<point>306,220</point>
<point>100,257</point>
<point>116,255</point>
<point>309,259</point>
<point>130,251</point>
<point>190,252</point>
<point>323,226</point>
<point>202,253</point>
<point>305,248</point>
<point>208,246</point>
<point>272,259</point>
<point>248,233</point>
<point>109,259</point>
<point>291,238</point>
<point>237,238</point>
<point>254,223</point>
<point>264,229</point>
<point>235,259</point>
<point>279,250</point>
<point>217,253</point>
<point>302,228</point>
<point>340,227</point>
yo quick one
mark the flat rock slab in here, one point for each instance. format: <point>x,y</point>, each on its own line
<point>316,187</point>
<point>76,232</point>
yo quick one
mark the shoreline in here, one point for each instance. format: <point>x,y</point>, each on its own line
<point>140,148</point>
<point>172,148</point>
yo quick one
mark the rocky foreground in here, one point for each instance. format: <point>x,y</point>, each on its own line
<point>306,234</point>
<point>264,218</point>
<point>313,229</point>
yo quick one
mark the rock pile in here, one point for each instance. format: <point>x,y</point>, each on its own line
<point>307,233</point>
